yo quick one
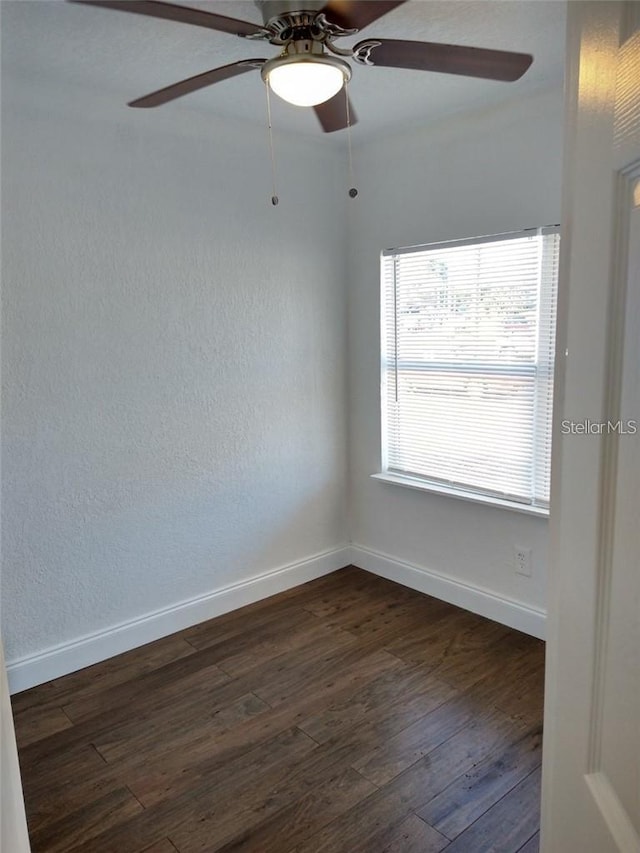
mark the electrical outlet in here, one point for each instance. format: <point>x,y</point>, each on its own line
<point>522,558</point>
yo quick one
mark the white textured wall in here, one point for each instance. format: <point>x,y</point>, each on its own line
<point>174,408</point>
<point>493,171</point>
<point>173,359</point>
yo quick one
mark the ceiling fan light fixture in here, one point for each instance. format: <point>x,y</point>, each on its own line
<point>306,81</point>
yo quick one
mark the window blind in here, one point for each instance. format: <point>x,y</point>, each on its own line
<point>468,336</point>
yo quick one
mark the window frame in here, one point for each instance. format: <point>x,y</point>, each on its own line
<point>541,370</point>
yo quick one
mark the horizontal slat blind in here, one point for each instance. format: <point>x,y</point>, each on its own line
<point>467,375</point>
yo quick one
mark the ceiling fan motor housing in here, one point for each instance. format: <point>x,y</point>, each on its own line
<point>308,50</point>
<point>278,8</point>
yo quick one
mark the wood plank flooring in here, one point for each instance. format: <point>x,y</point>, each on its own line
<point>348,715</point>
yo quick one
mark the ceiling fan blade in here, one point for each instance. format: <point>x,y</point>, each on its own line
<point>358,14</point>
<point>332,114</point>
<point>182,14</point>
<point>444,58</point>
<point>192,84</point>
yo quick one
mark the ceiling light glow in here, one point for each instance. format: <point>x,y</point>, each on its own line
<point>308,81</point>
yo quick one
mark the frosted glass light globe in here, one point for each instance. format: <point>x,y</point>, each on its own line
<point>306,84</point>
<point>307,81</point>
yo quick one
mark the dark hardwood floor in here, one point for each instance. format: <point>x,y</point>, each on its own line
<point>349,715</point>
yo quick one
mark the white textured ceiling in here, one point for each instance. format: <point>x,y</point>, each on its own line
<point>123,56</point>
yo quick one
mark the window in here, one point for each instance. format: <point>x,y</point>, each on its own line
<point>468,331</point>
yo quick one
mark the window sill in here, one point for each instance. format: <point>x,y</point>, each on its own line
<point>422,486</point>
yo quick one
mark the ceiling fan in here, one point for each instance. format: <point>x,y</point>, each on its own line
<point>310,69</point>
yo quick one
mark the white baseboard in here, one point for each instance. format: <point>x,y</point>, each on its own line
<point>84,651</point>
<point>92,648</point>
<point>504,610</point>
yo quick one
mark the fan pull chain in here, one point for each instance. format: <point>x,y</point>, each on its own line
<point>274,197</point>
<point>353,192</point>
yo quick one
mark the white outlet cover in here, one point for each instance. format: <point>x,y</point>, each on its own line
<point>522,560</point>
